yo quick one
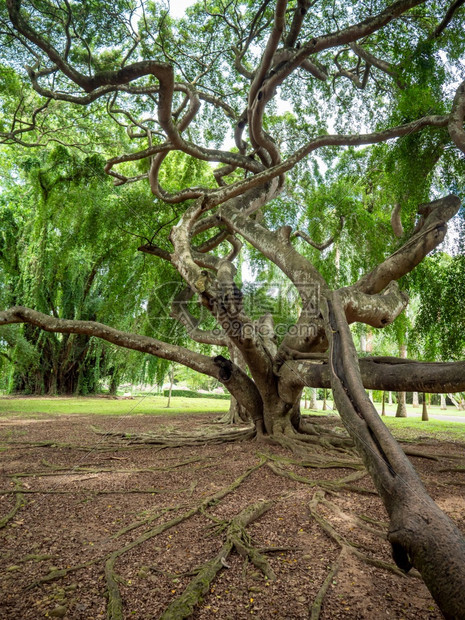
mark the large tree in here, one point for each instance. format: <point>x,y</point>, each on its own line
<point>297,88</point>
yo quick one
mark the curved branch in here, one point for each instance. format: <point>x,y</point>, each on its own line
<point>374,310</point>
<point>222,194</point>
<point>420,534</point>
<point>296,25</point>
<point>457,118</point>
<point>180,312</point>
<point>428,235</point>
<point>256,100</point>
<point>396,222</point>
<point>372,60</point>
<point>342,37</point>
<point>236,381</point>
<point>447,18</point>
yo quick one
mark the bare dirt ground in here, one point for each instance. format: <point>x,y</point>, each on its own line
<point>94,526</point>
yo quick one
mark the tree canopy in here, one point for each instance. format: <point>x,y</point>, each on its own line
<point>320,140</point>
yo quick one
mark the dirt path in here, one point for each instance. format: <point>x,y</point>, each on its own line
<point>94,527</point>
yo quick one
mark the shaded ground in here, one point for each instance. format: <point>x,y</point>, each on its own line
<point>145,520</point>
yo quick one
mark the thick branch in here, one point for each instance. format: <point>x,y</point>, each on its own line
<point>457,117</point>
<point>180,311</point>
<point>380,64</point>
<point>448,17</point>
<point>235,189</point>
<point>342,37</point>
<point>236,381</point>
<point>375,310</point>
<point>428,235</point>
<point>383,373</point>
<point>420,534</point>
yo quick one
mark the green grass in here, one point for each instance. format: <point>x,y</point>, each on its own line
<point>414,429</point>
<point>403,428</point>
<point>143,405</point>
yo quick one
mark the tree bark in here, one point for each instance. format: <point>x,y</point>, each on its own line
<point>313,403</point>
<point>424,410</point>
<point>401,411</point>
<point>171,376</point>
<point>415,402</point>
<point>420,534</point>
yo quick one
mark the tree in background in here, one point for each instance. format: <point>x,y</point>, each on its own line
<point>351,77</point>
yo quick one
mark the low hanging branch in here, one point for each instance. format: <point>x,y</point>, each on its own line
<point>382,373</point>
<point>233,376</point>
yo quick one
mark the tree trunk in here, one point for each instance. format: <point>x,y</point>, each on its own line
<point>424,411</point>
<point>313,403</point>
<point>420,534</point>
<point>236,414</point>
<point>443,403</point>
<point>113,388</point>
<point>415,401</point>
<point>325,407</point>
<point>171,375</point>
<point>383,404</point>
<point>455,402</point>
<point>390,398</point>
<point>401,411</point>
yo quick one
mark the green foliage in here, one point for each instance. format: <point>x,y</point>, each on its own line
<point>439,283</point>
<point>68,237</point>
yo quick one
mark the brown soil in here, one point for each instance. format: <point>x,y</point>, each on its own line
<point>83,490</point>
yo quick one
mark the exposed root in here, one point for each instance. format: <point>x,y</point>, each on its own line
<point>59,574</point>
<point>115,602</point>
<point>56,444</point>
<point>382,524</point>
<point>301,444</point>
<point>419,454</point>
<point>349,546</point>
<point>320,430</point>
<point>115,610</point>
<point>317,461</point>
<point>209,501</point>
<point>20,501</point>
<point>93,491</point>
<point>136,524</point>
<point>356,520</point>
<point>60,470</point>
<point>236,537</point>
<point>329,485</point>
<point>177,440</point>
<point>315,609</point>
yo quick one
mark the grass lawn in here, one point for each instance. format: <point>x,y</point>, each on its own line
<point>410,428</point>
<point>413,428</point>
<point>143,405</point>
